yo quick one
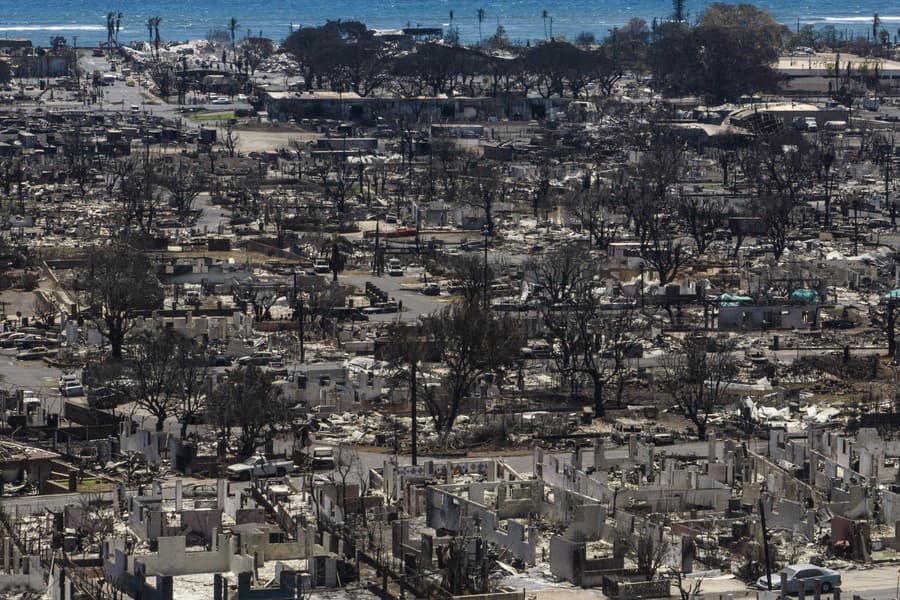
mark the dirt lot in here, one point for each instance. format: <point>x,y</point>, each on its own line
<point>261,140</point>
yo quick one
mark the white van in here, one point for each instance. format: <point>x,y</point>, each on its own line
<point>321,265</point>
<point>394,267</point>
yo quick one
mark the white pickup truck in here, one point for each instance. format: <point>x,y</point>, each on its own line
<point>260,466</point>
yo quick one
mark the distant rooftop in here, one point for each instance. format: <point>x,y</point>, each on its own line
<point>822,64</point>
<point>15,452</point>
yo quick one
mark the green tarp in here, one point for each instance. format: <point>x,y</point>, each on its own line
<point>804,296</point>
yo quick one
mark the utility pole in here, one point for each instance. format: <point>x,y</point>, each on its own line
<point>413,399</point>
<point>485,270</point>
<point>892,343</point>
<point>765,534</point>
<point>75,63</point>
<point>301,332</point>
<point>642,284</point>
<point>415,208</point>
<point>375,262</point>
<point>888,165</point>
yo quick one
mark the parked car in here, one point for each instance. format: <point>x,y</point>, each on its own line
<point>395,268</point>
<point>35,353</point>
<point>200,490</point>
<point>803,574</point>
<point>258,358</point>
<point>321,266</point>
<point>103,397</point>
<point>322,459</point>
<point>260,466</point>
<point>661,439</point>
<point>872,104</point>
<point>277,368</point>
<point>32,340</point>
<point>431,289</point>
<point>220,360</point>
<point>72,388</point>
<point>65,380</point>
<point>11,339</point>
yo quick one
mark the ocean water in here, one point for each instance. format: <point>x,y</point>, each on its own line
<point>40,20</point>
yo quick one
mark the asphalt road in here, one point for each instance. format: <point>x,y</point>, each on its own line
<point>29,374</point>
<point>879,583</point>
<point>404,289</point>
<point>870,583</point>
<point>116,97</point>
<point>112,93</point>
<point>212,216</point>
<point>121,97</point>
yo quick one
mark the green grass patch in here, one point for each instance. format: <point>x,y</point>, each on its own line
<point>212,116</point>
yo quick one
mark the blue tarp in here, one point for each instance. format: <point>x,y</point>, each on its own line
<point>730,300</point>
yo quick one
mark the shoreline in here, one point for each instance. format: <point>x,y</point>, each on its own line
<point>90,35</point>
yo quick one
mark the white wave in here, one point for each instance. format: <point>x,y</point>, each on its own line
<point>883,19</point>
<point>52,28</point>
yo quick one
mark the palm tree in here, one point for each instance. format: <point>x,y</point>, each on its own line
<point>118,26</point>
<point>232,26</point>
<point>480,21</point>
<point>150,31</point>
<point>110,27</point>
<point>452,34</point>
<point>337,247</point>
<point>156,21</point>
<point>678,6</point>
<point>544,16</point>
